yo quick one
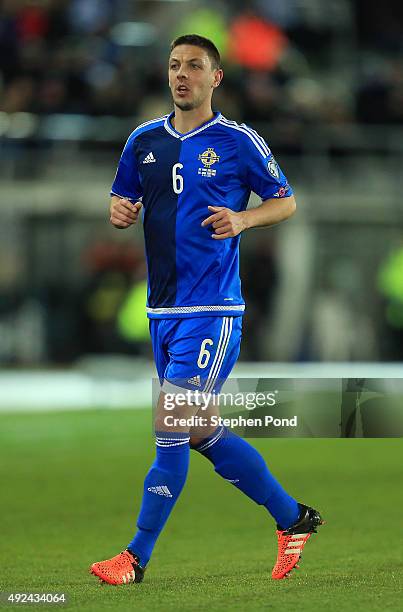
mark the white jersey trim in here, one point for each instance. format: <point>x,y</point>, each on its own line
<point>145,124</point>
<point>162,118</point>
<point>203,127</point>
<point>139,199</point>
<point>252,133</point>
<point>169,128</point>
<point>192,309</point>
<point>259,143</point>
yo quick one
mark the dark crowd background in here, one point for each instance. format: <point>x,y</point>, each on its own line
<point>60,56</point>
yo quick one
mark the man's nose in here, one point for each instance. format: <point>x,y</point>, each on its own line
<point>182,72</point>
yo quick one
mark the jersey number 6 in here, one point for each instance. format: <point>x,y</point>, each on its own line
<point>204,355</point>
<point>177,179</point>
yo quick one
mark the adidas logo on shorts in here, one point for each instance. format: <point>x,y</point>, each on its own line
<point>160,490</point>
<point>195,380</point>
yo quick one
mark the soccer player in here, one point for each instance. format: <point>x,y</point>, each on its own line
<point>192,172</point>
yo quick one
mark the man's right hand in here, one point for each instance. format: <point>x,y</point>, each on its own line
<point>123,212</point>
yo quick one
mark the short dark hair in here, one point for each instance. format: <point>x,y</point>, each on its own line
<point>199,41</point>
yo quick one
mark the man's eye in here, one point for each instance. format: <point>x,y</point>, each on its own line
<point>174,66</point>
<point>195,65</point>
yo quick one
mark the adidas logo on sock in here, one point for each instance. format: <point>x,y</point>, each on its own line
<point>234,481</point>
<point>162,490</point>
<point>149,159</point>
<point>195,380</point>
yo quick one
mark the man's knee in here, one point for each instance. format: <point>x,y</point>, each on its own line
<point>173,418</point>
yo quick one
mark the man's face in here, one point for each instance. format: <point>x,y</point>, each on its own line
<point>192,79</point>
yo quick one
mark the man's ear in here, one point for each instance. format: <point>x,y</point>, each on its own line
<point>218,77</point>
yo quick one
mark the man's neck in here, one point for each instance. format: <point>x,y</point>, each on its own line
<point>186,121</point>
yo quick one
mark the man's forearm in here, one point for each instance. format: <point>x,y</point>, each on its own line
<point>269,212</point>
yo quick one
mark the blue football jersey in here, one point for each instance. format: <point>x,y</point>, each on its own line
<point>177,176</point>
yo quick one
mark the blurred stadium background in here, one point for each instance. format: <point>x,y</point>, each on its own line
<point>321,80</point>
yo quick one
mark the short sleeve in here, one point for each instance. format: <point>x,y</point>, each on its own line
<point>261,172</point>
<point>127,181</point>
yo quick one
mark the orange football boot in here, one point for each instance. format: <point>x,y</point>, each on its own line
<point>291,541</point>
<point>122,569</point>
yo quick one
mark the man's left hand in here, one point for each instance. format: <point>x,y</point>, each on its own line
<point>226,222</point>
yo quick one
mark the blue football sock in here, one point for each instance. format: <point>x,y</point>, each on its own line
<point>162,487</point>
<point>238,462</point>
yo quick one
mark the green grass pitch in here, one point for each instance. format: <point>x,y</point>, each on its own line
<point>71,490</point>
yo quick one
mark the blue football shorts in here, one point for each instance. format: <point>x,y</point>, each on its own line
<point>196,354</point>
